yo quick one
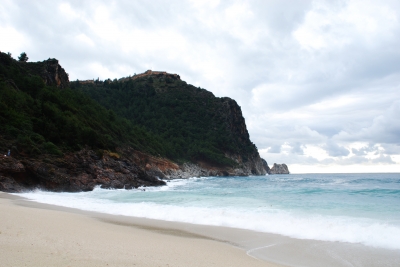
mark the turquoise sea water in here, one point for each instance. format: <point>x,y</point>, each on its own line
<point>355,208</point>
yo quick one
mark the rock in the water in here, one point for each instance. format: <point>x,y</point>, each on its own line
<point>279,169</point>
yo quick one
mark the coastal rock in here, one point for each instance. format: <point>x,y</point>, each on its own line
<point>8,184</point>
<point>163,168</point>
<point>74,172</point>
<point>201,169</point>
<point>279,169</point>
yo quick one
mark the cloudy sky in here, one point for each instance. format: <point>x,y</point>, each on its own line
<point>318,81</point>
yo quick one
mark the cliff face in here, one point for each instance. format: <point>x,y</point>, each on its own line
<point>50,71</point>
<point>236,126</point>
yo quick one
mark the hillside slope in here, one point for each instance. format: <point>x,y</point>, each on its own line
<point>66,136</point>
<point>195,125</point>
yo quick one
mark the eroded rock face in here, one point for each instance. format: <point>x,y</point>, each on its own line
<point>279,169</point>
<point>75,172</point>
<point>54,74</point>
<point>51,72</point>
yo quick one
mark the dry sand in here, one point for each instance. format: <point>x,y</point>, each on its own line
<point>34,234</point>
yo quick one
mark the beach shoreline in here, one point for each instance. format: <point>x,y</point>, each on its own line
<point>46,235</point>
<point>73,237</point>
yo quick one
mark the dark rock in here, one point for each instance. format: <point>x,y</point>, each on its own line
<point>8,184</point>
<point>79,171</point>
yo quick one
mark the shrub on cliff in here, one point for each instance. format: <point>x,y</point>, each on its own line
<point>23,57</point>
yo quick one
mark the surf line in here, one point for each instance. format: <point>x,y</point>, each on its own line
<point>254,249</point>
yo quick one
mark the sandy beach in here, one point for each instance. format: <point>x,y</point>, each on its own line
<point>36,234</point>
<point>33,234</point>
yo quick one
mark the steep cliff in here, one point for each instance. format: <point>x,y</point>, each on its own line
<point>196,127</point>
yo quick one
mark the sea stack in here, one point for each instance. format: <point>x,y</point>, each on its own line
<point>279,169</point>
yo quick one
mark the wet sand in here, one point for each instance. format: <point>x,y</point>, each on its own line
<point>35,234</point>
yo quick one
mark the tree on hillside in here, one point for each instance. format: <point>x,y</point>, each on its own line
<point>23,57</point>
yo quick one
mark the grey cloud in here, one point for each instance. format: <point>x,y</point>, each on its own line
<point>297,148</point>
<point>384,129</point>
<point>391,149</point>
<point>274,149</point>
<point>335,150</point>
<point>382,159</point>
<point>365,150</point>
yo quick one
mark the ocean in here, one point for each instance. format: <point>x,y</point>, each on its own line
<point>352,208</point>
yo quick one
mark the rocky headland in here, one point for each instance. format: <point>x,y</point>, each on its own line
<point>59,143</point>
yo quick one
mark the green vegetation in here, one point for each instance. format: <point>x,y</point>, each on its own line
<point>158,114</point>
<point>23,57</point>
<point>192,123</point>
<point>42,119</point>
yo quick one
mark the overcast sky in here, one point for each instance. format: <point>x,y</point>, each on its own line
<point>318,81</point>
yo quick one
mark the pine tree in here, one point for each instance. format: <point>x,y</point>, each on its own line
<point>23,57</point>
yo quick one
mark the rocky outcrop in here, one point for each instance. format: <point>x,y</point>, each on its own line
<point>163,168</point>
<point>74,172</point>
<point>199,169</point>
<point>189,169</point>
<point>150,73</point>
<point>51,72</point>
<point>279,169</point>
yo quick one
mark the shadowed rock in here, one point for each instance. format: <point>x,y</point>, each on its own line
<point>74,172</point>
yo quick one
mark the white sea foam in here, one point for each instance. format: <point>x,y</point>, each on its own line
<point>370,232</point>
